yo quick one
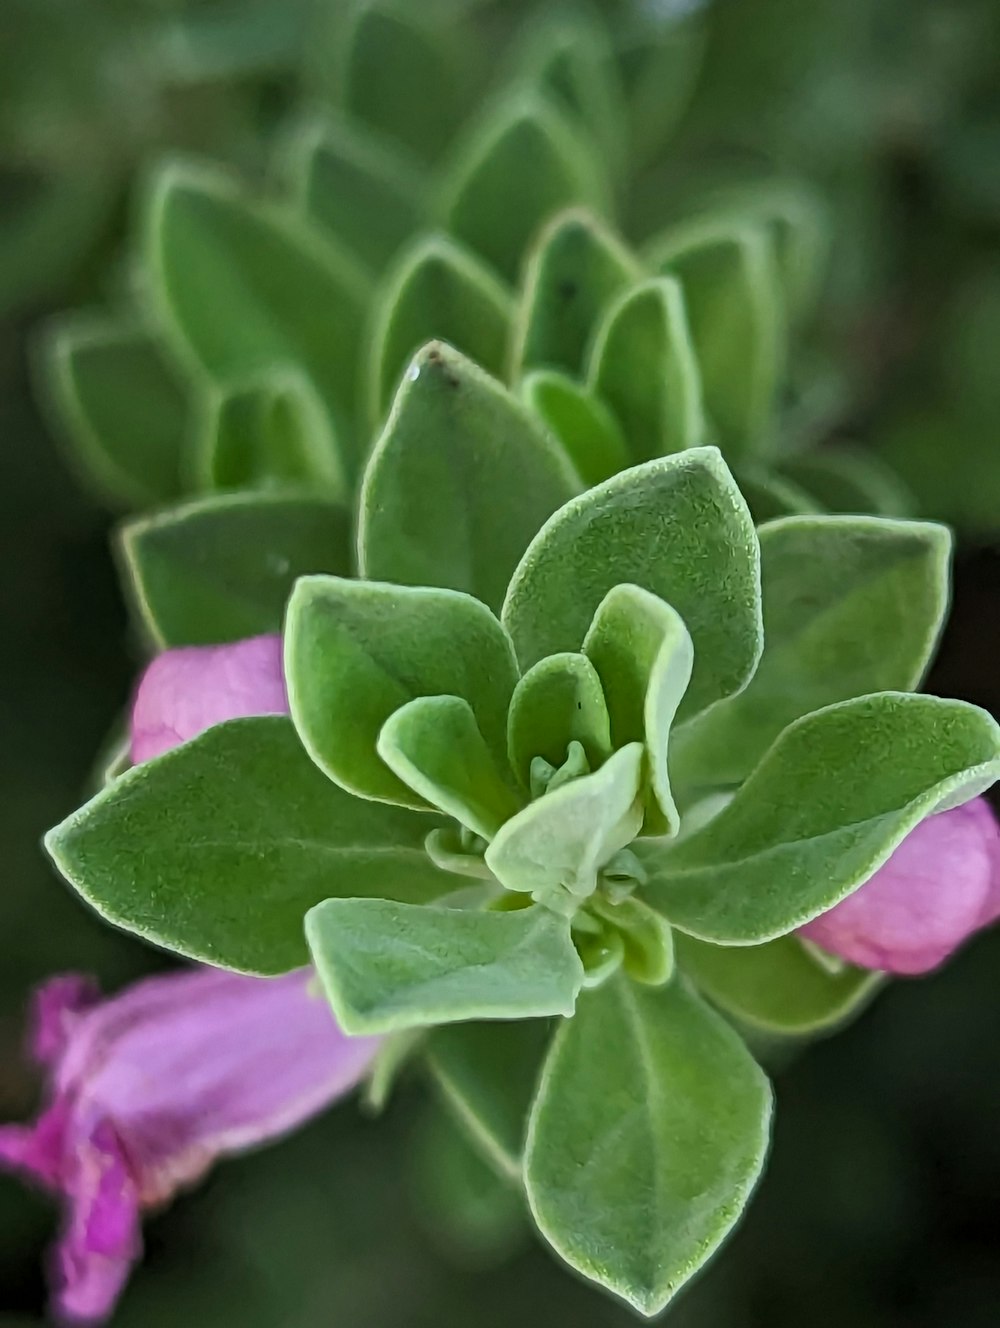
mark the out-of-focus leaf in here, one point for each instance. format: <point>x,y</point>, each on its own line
<point>243,284</point>
<point>438,292</point>
<point>575,269</point>
<point>221,568</point>
<point>120,407</point>
<point>356,187</point>
<point>523,150</point>
<point>271,431</point>
<point>403,75</point>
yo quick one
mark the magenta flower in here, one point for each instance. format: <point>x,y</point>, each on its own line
<point>148,1088</point>
<point>183,692</point>
<point>939,887</point>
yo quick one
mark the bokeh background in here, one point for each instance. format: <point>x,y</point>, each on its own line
<point>879,1207</point>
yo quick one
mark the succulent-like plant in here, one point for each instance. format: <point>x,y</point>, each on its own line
<point>559,754</point>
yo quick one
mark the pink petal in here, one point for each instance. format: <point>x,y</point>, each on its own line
<point>939,887</point>
<point>38,1150</point>
<point>183,692</point>
<point>195,1065</point>
<point>57,1005</point>
<point>102,1237</point>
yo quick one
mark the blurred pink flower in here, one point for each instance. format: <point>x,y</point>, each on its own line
<point>939,887</point>
<point>146,1089</point>
<point>149,1087</point>
<point>186,691</point>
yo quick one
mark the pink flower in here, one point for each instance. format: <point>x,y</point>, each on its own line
<point>148,1088</point>
<point>183,692</point>
<point>939,887</point>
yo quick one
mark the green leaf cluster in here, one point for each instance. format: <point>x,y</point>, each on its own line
<point>565,771</point>
<point>265,329</point>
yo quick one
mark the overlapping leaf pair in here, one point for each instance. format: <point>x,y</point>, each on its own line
<point>593,755</point>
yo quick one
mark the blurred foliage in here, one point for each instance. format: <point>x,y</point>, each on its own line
<point>879,1206</point>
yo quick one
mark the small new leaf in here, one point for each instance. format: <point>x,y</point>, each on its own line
<point>356,651</point>
<point>558,701</point>
<point>558,843</point>
<point>643,656</point>
<point>677,527</point>
<point>434,745</point>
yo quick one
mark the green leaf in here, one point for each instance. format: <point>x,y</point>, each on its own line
<point>732,292</point>
<point>770,495</point>
<point>356,187</point>
<point>474,1216</point>
<point>799,226</point>
<point>218,848</point>
<point>203,44</point>
<point>589,433</point>
<point>569,57</point>
<point>643,655</point>
<point>434,745</point>
<point>643,366</point>
<point>852,605</point>
<point>403,77</point>
<point>243,284</point>
<point>439,291</point>
<point>522,163</point>
<point>386,966</point>
<point>647,940</point>
<point>390,1062</point>
<point>450,848</point>
<point>662,65</point>
<point>458,483</point>
<point>577,266</point>
<point>779,987</point>
<point>824,809</point>
<point>119,406</point>
<point>845,479</point>
<point>272,430</point>
<point>648,1133</point>
<point>558,701</point>
<point>488,1074</point>
<point>356,651</point>
<point>557,845</point>
<point>221,568</point>
<point>801,230</point>
<point>677,527</point>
